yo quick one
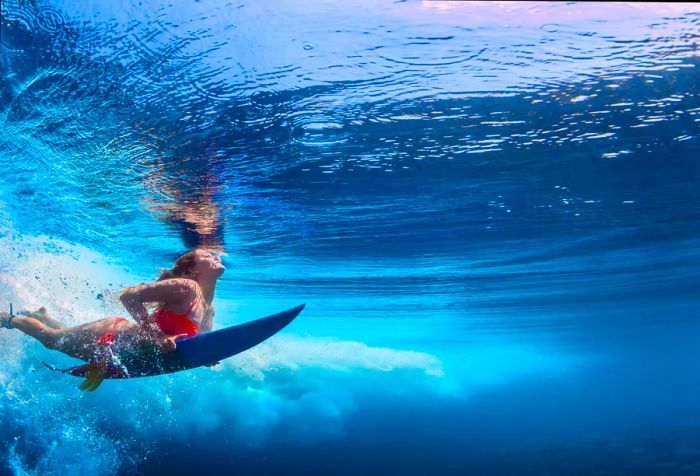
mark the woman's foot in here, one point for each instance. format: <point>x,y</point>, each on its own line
<point>6,319</point>
<point>41,312</point>
<point>42,316</point>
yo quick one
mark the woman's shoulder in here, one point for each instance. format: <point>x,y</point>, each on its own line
<point>162,290</point>
<point>186,289</point>
<point>181,283</point>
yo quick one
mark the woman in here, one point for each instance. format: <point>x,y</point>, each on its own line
<point>184,295</point>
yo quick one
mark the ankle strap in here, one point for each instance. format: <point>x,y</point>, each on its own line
<point>10,316</point>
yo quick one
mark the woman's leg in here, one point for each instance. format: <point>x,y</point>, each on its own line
<point>37,329</point>
<point>43,316</point>
<point>77,341</point>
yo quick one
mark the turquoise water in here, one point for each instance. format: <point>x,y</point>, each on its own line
<point>491,211</point>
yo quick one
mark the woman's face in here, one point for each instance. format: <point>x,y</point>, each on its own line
<point>207,263</point>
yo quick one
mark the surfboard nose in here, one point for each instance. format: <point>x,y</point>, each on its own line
<point>288,315</point>
<point>298,309</point>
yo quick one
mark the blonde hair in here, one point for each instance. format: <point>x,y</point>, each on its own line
<point>183,266</point>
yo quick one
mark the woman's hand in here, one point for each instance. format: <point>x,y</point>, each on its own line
<point>168,344</point>
<point>165,342</point>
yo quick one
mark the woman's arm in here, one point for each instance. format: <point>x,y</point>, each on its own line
<point>207,321</point>
<point>174,292</point>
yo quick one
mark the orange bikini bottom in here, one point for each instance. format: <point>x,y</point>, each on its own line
<point>108,337</point>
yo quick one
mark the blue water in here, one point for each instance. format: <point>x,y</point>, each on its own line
<point>491,210</point>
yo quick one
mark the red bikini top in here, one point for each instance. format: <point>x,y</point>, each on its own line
<point>172,323</point>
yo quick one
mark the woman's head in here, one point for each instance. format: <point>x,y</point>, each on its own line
<point>197,264</point>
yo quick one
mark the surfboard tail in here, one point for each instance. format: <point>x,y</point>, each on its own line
<point>82,370</point>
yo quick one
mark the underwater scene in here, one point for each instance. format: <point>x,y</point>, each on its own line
<point>490,210</point>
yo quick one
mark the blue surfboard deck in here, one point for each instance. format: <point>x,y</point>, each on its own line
<point>195,351</point>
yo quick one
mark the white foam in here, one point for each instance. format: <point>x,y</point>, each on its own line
<point>290,353</point>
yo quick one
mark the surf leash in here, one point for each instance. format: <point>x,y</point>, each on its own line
<point>7,322</point>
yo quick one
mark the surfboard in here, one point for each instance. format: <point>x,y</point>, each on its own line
<point>194,351</point>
